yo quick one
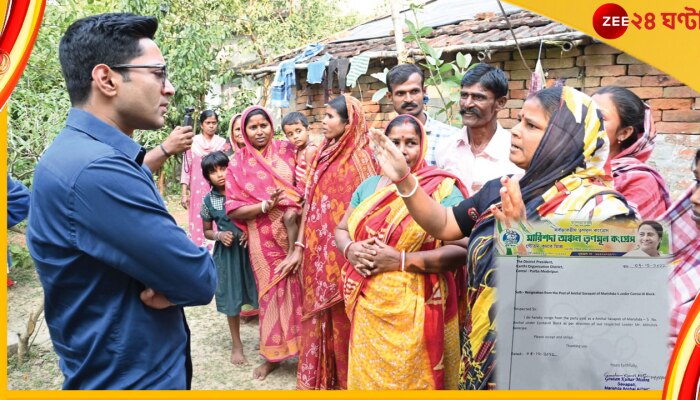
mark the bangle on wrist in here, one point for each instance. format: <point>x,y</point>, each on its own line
<point>403,178</point>
<point>403,260</point>
<point>346,248</point>
<point>263,207</point>
<point>299,244</point>
<point>216,236</point>
<point>162,148</point>
<point>411,193</point>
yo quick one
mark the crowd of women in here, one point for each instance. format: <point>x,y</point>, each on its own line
<point>359,270</point>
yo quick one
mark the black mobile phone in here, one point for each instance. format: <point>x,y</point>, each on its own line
<point>187,121</point>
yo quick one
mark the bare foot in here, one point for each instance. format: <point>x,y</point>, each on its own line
<point>262,370</point>
<point>237,357</point>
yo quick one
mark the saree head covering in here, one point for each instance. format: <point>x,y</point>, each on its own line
<point>568,169</point>
<point>337,169</point>
<point>230,131</point>
<point>256,173</point>
<point>641,184</point>
<point>251,177</point>
<point>404,350</point>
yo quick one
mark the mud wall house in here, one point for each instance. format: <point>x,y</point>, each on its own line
<point>480,29</point>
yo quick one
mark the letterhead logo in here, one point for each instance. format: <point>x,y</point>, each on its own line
<point>511,238</point>
<point>610,21</point>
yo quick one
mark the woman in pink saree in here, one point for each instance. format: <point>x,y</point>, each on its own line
<point>194,186</point>
<point>259,189</point>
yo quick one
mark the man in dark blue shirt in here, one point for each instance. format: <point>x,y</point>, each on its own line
<point>115,267</point>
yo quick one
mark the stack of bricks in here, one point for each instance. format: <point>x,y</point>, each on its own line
<point>676,107</point>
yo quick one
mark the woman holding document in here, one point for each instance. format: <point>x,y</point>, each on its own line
<point>561,144</point>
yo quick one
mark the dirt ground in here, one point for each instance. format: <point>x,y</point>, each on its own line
<point>211,342</point>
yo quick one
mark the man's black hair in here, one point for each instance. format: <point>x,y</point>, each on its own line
<point>491,78</point>
<point>109,39</point>
<point>400,74</point>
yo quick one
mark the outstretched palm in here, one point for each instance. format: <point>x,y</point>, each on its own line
<point>390,158</point>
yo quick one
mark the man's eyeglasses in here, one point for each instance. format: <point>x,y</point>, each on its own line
<point>163,73</point>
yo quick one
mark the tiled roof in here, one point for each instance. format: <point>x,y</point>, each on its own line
<point>482,31</point>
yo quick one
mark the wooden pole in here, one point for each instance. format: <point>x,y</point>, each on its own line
<point>402,55</point>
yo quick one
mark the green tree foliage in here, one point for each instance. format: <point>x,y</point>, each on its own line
<point>443,75</point>
<point>191,35</point>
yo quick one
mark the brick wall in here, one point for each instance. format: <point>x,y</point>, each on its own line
<point>676,107</point>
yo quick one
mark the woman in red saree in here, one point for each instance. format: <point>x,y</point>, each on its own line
<point>342,162</point>
<point>400,292</point>
<point>259,189</point>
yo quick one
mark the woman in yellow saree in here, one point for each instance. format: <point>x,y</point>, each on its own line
<point>399,288</point>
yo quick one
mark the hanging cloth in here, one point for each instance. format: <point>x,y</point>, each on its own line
<point>358,67</point>
<point>285,79</point>
<point>537,80</point>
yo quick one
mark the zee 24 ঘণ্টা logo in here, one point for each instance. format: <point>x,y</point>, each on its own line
<point>611,20</point>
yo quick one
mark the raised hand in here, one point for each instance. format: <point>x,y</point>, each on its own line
<point>512,205</point>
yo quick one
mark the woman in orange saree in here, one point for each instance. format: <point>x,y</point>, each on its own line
<point>399,285</point>
<point>341,163</point>
<point>259,189</point>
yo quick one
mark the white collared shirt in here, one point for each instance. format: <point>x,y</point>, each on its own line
<point>455,156</point>
<point>438,133</point>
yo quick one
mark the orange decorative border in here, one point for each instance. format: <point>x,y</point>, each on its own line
<point>17,40</point>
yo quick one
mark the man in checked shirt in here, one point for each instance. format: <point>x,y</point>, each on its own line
<point>405,83</point>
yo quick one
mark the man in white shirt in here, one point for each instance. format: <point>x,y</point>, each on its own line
<point>481,151</point>
<point>406,92</point>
